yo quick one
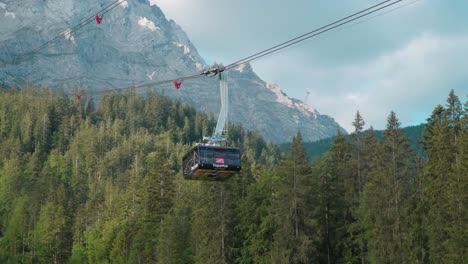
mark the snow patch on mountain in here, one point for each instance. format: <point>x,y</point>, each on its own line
<point>151,75</point>
<point>10,14</point>
<point>240,68</point>
<point>7,13</point>
<point>180,45</point>
<point>68,36</point>
<point>124,4</point>
<point>199,66</point>
<point>144,22</point>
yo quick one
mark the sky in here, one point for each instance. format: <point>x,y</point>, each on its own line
<point>405,61</point>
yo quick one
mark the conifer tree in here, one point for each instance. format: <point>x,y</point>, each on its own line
<point>50,234</point>
<point>256,220</point>
<point>215,217</point>
<point>443,194</point>
<point>158,198</point>
<point>386,195</point>
<point>175,239</point>
<point>357,147</point>
<point>370,148</point>
<point>460,230</point>
<point>337,191</point>
<point>294,229</point>
<point>355,246</point>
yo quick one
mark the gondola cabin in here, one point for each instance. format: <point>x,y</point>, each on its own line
<point>211,163</point>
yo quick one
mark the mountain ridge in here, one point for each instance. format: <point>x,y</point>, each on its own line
<point>318,148</point>
<point>137,44</point>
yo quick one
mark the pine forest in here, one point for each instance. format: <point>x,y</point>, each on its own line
<point>99,181</point>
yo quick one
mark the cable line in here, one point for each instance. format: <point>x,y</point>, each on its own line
<point>167,81</point>
<point>308,33</point>
<point>313,33</point>
<point>281,46</point>
<point>80,25</point>
<point>215,69</point>
<point>384,13</point>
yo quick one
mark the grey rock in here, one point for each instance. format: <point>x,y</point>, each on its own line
<point>136,44</point>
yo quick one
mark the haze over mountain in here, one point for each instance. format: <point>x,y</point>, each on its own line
<point>136,44</point>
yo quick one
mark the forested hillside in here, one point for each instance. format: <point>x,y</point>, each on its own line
<point>317,148</point>
<point>81,183</point>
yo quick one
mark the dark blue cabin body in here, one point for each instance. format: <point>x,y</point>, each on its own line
<point>212,163</point>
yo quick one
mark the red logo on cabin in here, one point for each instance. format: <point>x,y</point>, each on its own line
<point>219,160</point>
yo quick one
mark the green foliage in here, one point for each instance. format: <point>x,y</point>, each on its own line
<point>49,233</point>
<point>387,195</point>
<point>294,224</point>
<point>445,181</point>
<point>336,191</point>
<point>256,219</point>
<point>79,185</point>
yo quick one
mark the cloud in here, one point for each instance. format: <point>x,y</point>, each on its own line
<point>386,63</point>
<point>411,80</point>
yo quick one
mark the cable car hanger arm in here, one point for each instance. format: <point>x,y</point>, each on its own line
<point>221,125</point>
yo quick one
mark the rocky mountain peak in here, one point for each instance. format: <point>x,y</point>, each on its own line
<point>137,44</point>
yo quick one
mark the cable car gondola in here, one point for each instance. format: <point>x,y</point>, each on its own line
<point>212,160</point>
<point>212,163</point>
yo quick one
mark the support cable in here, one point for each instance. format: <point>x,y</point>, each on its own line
<point>80,25</point>
<point>311,34</point>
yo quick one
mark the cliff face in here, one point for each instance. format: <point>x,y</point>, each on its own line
<point>136,44</point>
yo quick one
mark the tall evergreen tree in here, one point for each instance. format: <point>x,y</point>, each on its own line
<point>175,238</point>
<point>359,165</point>
<point>370,149</point>
<point>256,219</point>
<point>215,219</point>
<point>295,230</point>
<point>385,197</point>
<point>357,147</point>
<point>444,198</point>
<point>338,194</point>
<point>50,233</point>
